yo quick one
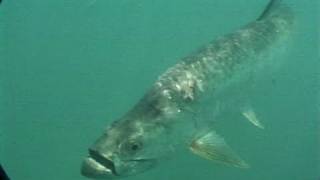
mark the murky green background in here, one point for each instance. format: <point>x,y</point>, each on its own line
<point>69,67</point>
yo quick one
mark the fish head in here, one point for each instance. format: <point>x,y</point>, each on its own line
<point>126,148</point>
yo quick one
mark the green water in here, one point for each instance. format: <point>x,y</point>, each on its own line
<point>68,68</point>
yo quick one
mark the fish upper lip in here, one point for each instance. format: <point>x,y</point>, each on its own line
<point>102,160</point>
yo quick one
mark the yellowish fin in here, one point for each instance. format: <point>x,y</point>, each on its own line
<point>213,147</point>
<point>251,116</point>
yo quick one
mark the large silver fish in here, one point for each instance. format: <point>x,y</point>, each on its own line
<point>162,120</point>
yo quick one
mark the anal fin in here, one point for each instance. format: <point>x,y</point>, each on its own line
<point>213,147</point>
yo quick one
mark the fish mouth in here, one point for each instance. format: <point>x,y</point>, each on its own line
<point>97,166</point>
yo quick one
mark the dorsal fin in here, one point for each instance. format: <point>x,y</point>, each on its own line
<point>272,5</point>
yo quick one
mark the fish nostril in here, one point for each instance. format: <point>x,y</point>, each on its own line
<point>94,154</point>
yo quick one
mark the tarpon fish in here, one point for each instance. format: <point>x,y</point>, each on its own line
<point>164,119</point>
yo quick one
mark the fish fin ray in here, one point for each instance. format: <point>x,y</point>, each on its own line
<point>213,147</point>
<point>251,116</point>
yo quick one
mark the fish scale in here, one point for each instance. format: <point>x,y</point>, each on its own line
<point>221,60</point>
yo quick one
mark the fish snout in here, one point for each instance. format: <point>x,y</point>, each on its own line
<point>96,165</point>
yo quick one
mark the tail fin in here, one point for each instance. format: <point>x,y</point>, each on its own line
<point>274,7</point>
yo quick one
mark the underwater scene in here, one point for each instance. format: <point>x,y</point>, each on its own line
<point>160,90</point>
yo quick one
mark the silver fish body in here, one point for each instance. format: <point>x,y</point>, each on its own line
<point>219,62</point>
<point>137,141</point>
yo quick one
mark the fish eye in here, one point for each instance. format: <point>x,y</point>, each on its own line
<point>131,147</point>
<point>135,146</point>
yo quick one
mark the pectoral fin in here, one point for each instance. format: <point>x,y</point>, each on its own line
<point>213,147</point>
<point>251,116</point>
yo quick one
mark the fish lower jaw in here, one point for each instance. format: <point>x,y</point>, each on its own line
<point>93,169</point>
